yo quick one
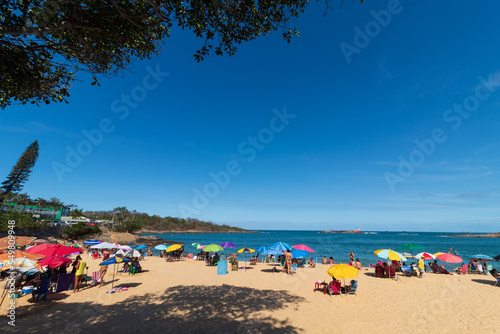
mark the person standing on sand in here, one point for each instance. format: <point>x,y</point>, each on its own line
<point>102,273</point>
<point>288,260</point>
<point>421,266</point>
<point>80,267</point>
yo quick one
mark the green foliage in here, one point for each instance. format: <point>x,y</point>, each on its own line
<point>44,44</point>
<point>80,230</point>
<point>21,171</point>
<point>24,221</point>
<point>129,226</point>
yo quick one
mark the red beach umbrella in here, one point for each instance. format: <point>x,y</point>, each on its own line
<point>450,258</point>
<point>303,247</point>
<point>54,261</point>
<point>53,250</point>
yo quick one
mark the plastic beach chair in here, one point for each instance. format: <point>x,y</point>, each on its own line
<point>353,288</point>
<point>96,277</point>
<point>43,289</point>
<point>294,268</point>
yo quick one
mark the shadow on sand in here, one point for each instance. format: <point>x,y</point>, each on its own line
<point>180,309</point>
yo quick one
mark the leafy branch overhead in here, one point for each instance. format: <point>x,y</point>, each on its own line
<point>44,44</point>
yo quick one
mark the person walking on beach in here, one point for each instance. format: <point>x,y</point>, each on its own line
<point>80,267</point>
<point>421,266</point>
<point>288,261</point>
<point>102,273</point>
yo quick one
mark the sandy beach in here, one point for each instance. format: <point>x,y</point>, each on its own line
<point>189,297</point>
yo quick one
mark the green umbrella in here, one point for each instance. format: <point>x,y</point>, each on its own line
<point>410,247</point>
<point>213,248</point>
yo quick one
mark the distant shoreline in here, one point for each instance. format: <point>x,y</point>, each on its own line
<point>476,235</point>
<point>191,231</point>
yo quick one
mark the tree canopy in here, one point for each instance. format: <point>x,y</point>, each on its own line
<point>44,44</point>
<point>21,170</point>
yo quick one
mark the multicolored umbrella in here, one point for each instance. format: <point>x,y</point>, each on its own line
<point>390,254</point>
<point>114,261</point>
<point>427,256</point>
<point>53,250</point>
<point>303,247</point>
<point>54,261</point>
<point>281,246</point>
<point>212,248</point>
<point>132,253</point>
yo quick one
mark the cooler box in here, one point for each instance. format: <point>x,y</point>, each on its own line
<point>27,289</point>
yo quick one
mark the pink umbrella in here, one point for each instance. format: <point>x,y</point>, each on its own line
<point>54,261</point>
<point>450,258</point>
<point>303,247</point>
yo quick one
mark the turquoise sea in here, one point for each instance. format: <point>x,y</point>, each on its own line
<point>339,245</point>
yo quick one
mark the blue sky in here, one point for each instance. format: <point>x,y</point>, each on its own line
<point>299,135</point>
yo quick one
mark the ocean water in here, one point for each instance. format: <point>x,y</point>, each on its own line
<point>339,245</point>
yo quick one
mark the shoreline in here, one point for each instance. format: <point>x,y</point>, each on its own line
<point>476,235</point>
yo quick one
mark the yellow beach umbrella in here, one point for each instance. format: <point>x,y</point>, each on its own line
<point>343,271</point>
<point>246,250</point>
<point>173,247</point>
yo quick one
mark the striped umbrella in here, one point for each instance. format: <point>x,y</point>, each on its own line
<point>390,254</point>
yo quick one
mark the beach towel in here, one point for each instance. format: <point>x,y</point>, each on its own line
<point>222,268</point>
<point>64,282</point>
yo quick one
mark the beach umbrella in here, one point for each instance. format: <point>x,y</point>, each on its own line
<point>200,246</point>
<point>409,247</point>
<point>246,251</point>
<point>132,253</point>
<point>343,271</point>
<point>173,247</point>
<point>228,244</point>
<point>124,247</point>
<point>481,257</point>
<point>427,256</point>
<point>119,252</point>
<point>262,249</point>
<point>298,253</point>
<point>303,247</point>
<point>92,242</point>
<point>17,241</point>
<point>104,245</point>
<point>280,246</point>
<point>160,247</point>
<point>407,255</point>
<point>497,258</point>
<point>53,250</point>
<point>212,248</point>
<point>39,241</point>
<point>20,255</point>
<point>54,261</point>
<point>450,258</point>
<point>141,247</point>
<point>19,262</point>
<point>114,261</point>
<point>389,254</point>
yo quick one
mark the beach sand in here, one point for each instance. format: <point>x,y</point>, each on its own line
<point>189,297</point>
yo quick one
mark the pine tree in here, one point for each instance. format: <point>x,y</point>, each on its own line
<point>21,170</point>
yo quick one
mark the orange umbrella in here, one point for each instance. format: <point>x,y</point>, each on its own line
<point>20,255</point>
<point>18,241</point>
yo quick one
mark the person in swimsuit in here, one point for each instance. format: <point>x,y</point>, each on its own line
<point>80,267</point>
<point>102,272</point>
<point>288,260</point>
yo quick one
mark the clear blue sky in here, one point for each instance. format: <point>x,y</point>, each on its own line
<point>356,106</point>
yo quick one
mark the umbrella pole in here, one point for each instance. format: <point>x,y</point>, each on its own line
<point>113,281</point>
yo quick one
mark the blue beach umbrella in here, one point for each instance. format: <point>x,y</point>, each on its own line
<point>160,247</point>
<point>481,257</point>
<point>113,260</point>
<point>141,247</point>
<point>280,246</point>
<point>91,242</point>
<point>298,253</point>
<point>262,249</point>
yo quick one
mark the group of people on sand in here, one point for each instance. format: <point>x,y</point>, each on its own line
<point>352,261</point>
